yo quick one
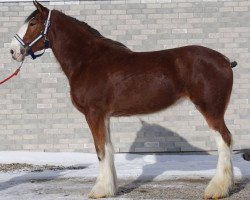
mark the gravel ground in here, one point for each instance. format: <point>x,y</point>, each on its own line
<point>17,167</point>
<point>78,188</point>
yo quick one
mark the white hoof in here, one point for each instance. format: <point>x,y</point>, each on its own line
<point>101,191</point>
<point>218,188</point>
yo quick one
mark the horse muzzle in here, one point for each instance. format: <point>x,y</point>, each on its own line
<point>18,54</point>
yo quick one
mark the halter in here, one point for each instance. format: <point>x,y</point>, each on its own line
<point>42,34</point>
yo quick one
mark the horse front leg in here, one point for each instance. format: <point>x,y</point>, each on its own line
<point>105,185</point>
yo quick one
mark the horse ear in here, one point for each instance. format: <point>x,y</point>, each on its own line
<point>39,7</point>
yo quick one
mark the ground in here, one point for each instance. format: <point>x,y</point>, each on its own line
<point>140,176</point>
<point>41,187</point>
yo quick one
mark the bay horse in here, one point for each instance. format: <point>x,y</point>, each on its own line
<point>107,79</point>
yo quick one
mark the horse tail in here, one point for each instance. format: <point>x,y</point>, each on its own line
<point>233,64</point>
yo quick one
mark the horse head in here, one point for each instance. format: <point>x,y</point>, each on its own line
<point>32,36</point>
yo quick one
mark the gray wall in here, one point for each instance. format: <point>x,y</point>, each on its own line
<point>35,109</point>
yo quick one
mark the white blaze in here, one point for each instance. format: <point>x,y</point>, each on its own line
<point>15,45</point>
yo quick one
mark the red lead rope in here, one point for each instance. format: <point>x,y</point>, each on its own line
<point>12,75</point>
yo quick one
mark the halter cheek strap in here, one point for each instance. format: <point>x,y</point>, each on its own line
<point>44,34</point>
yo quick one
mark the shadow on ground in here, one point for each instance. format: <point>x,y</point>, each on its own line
<point>168,138</point>
<point>165,135</point>
<point>35,174</point>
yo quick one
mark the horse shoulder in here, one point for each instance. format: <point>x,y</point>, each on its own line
<point>91,89</point>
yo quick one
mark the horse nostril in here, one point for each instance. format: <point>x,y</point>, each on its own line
<point>23,51</point>
<point>11,51</point>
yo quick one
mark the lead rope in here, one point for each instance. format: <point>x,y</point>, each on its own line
<point>12,75</point>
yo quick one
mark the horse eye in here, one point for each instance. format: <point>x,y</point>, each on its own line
<point>32,24</point>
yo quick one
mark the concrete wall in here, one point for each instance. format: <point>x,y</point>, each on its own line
<point>35,109</point>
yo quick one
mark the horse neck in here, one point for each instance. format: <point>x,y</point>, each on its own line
<point>70,43</point>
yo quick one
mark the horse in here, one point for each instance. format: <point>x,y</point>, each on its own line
<point>107,79</point>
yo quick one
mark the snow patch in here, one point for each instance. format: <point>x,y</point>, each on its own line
<point>129,166</point>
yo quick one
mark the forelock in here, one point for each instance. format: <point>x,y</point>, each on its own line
<point>33,14</point>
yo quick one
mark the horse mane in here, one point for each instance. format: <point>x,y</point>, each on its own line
<point>94,32</point>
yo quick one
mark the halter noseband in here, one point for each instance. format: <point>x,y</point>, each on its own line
<point>42,34</point>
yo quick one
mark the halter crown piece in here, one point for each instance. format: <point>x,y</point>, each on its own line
<point>42,34</point>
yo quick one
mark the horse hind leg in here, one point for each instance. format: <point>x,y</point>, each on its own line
<point>223,180</point>
<point>211,99</point>
<point>105,185</point>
